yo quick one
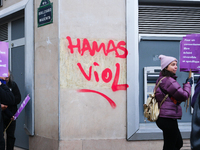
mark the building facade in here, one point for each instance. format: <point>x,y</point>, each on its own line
<point>85,65</point>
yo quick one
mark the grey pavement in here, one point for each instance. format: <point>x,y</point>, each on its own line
<point>17,148</point>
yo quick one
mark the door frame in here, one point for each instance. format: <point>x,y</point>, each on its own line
<point>135,129</point>
<point>28,7</point>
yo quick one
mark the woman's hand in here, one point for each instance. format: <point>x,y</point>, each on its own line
<point>13,118</point>
<point>3,107</point>
<point>189,80</point>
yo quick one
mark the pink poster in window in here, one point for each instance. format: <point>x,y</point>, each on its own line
<point>3,59</point>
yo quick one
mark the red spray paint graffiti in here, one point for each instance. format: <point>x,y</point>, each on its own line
<point>106,74</point>
<point>112,103</point>
<point>95,48</point>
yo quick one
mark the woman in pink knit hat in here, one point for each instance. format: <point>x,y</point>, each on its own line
<point>171,110</point>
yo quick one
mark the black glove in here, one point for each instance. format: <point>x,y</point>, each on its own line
<point>189,80</point>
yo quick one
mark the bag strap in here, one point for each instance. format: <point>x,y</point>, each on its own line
<point>156,89</point>
<point>164,99</point>
<point>158,85</point>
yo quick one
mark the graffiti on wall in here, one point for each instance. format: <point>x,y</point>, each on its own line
<point>106,75</point>
<point>95,48</point>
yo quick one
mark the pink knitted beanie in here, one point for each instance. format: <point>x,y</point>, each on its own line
<point>166,60</point>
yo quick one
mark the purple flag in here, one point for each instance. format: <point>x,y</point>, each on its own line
<point>23,104</point>
<point>3,59</point>
<point>190,53</point>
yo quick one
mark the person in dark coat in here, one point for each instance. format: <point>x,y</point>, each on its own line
<point>6,98</point>
<point>196,92</point>
<point>195,125</point>
<point>9,113</point>
<point>171,110</point>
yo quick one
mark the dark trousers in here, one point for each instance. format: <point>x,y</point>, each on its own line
<point>171,133</point>
<point>2,141</point>
<point>10,134</point>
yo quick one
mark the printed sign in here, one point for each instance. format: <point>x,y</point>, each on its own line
<point>23,104</point>
<point>190,53</point>
<point>3,59</point>
<point>45,13</point>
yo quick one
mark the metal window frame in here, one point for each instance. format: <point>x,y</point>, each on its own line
<point>135,129</point>
<point>28,7</point>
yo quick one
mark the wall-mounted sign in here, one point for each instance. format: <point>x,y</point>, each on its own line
<point>45,13</point>
<point>3,59</point>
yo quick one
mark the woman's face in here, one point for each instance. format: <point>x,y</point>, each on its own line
<point>172,67</point>
<point>6,78</point>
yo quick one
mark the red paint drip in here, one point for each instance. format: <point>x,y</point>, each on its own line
<point>112,103</point>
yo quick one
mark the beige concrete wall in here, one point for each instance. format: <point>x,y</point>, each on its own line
<point>110,144</point>
<point>7,3</point>
<point>116,144</point>
<point>88,116</point>
<point>94,119</point>
<point>46,83</point>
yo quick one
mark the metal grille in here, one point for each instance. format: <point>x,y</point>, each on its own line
<point>169,20</point>
<point>4,32</point>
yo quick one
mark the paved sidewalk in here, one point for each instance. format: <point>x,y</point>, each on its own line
<point>17,148</point>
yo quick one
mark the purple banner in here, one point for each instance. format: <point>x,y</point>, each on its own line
<point>190,53</point>
<point>3,59</point>
<point>23,104</point>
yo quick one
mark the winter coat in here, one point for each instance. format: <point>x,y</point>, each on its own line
<point>196,92</point>
<point>6,97</point>
<point>170,86</point>
<point>13,107</point>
